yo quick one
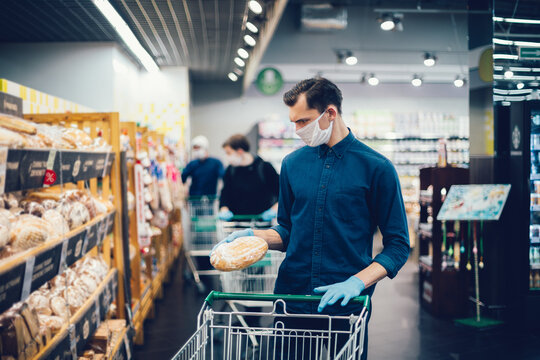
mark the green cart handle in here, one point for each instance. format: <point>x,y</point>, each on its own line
<point>217,295</point>
<point>245,218</point>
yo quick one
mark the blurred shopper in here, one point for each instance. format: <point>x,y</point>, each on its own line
<point>250,184</point>
<point>334,193</point>
<point>204,171</point>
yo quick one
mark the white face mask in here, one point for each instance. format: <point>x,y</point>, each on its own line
<point>234,159</point>
<point>313,135</point>
<point>198,154</point>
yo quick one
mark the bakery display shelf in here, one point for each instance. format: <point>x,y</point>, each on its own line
<point>25,272</point>
<point>73,336</point>
<point>25,169</point>
<point>122,349</point>
<point>144,311</point>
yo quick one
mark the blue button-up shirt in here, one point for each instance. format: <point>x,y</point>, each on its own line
<point>330,204</point>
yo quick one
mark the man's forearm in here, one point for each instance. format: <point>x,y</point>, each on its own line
<point>271,237</point>
<point>372,274</point>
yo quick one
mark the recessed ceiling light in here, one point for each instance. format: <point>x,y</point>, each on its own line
<point>429,60</point>
<point>520,85</point>
<point>388,22</point>
<point>416,81</point>
<point>459,82</point>
<point>255,7</point>
<point>250,40</point>
<point>233,76</point>
<point>239,62</point>
<point>373,81</point>
<point>351,59</point>
<point>251,27</point>
<point>243,53</point>
<point>508,74</point>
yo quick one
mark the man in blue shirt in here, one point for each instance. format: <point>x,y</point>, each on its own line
<point>334,193</point>
<point>203,170</point>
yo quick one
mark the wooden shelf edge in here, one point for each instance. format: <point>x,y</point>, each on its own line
<point>118,344</point>
<point>76,317</point>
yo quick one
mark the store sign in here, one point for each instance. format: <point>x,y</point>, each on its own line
<point>269,81</point>
<point>11,105</point>
<point>531,53</point>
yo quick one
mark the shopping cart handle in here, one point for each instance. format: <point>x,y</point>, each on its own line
<point>217,295</point>
<point>245,217</point>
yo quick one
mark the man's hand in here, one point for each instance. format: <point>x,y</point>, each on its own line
<point>269,215</point>
<point>347,289</point>
<point>225,215</point>
<point>233,236</point>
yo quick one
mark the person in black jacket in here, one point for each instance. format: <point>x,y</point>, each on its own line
<point>250,184</point>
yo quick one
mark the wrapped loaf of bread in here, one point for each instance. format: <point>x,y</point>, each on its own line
<point>239,254</point>
<point>29,231</point>
<point>58,222</point>
<point>17,124</point>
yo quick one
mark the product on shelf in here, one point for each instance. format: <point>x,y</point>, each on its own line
<point>101,345</point>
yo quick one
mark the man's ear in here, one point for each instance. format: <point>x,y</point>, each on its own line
<point>332,112</point>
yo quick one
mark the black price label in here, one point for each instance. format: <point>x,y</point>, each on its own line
<point>86,327</point>
<point>11,283</point>
<point>92,237</point>
<point>46,266</point>
<point>61,351</point>
<point>75,247</point>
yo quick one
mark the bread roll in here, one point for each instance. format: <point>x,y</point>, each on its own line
<point>239,254</point>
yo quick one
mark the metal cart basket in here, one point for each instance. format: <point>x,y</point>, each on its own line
<point>201,235</point>
<point>217,336</point>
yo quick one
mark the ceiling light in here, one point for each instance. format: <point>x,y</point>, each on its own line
<point>505,56</point>
<point>351,59</point>
<point>373,81</point>
<point>388,22</point>
<point>250,40</point>
<point>517,21</point>
<point>255,7</point>
<point>506,103</point>
<point>508,74</point>
<point>429,60</point>
<point>459,82</point>
<point>251,27</point>
<point>516,43</point>
<point>239,62</point>
<point>416,81</point>
<point>243,53</point>
<point>233,76</point>
<point>126,34</point>
<point>520,85</point>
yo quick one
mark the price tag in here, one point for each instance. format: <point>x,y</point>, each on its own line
<point>28,272</point>
<point>98,313</point>
<point>3,168</point>
<point>50,175</point>
<point>63,256</point>
<point>105,165</point>
<point>126,344</point>
<point>73,341</point>
<point>85,243</point>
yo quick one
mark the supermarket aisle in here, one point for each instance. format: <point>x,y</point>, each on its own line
<point>398,328</point>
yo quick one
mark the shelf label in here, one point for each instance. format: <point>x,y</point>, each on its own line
<point>73,341</point>
<point>105,165</point>
<point>27,282</point>
<point>50,175</point>
<point>63,265</point>
<point>85,243</point>
<point>46,266</point>
<point>97,313</point>
<point>11,283</point>
<point>74,248</point>
<point>126,344</point>
<point>3,168</point>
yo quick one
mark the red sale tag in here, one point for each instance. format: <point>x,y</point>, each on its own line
<point>50,177</point>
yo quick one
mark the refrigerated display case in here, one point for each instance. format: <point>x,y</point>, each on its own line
<point>534,189</point>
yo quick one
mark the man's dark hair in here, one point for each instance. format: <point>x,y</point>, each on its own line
<point>319,92</point>
<point>236,142</point>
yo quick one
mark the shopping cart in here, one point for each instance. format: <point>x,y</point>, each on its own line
<point>217,336</point>
<point>201,235</point>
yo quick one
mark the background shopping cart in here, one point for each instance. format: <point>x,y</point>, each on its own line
<point>218,337</point>
<point>202,234</point>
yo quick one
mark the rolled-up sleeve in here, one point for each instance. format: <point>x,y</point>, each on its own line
<point>286,199</point>
<point>391,218</point>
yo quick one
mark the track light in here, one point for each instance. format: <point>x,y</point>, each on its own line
<point>416,81</point>
<point>520,85</point>
<point>239,62</point>
<point>243,53</point>
<point>459,82</point>
<point>373,81</point>
<point>351,59</point>
<point>250,40</point>
<point>391,22</point>
<point>255,7</point>
<point>233,76</point>
<point>251,27</point>
<point>508,74</point>
<point>429,59</point>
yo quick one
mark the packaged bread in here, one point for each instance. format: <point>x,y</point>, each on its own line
<point>17,124</point>
<point>11,139</point>
<point>40,303</point>
<point>60,307</point>
<point>29,231</point>
<point>239,253</point>
<point>75,213</point>
<point>4,235</point>
<point>53,322</point>
<point>57,221</point>
<point>77,138</point>
<point>32,142</point>
<point>32,208</point>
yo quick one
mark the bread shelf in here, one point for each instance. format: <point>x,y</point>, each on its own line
<point>122,349</point>
<point>25,169</point>
<point>74,335</point>
<point>25,272</point>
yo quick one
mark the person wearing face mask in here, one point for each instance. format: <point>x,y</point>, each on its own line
<point>204,171</point>
<point>250,184</point>
<point>334,193</point>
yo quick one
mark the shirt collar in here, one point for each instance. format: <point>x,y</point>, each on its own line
<point>340,147</point>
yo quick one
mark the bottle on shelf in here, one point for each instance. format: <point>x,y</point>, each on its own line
<point>443,156</point>
<point>537,279</point>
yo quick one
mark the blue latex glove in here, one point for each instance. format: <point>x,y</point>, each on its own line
<point>269,215</point>
<point>231,237</point>
<point>347,289</point>
<point>225,215</point>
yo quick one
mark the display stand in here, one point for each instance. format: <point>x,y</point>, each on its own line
<point>476,204</point>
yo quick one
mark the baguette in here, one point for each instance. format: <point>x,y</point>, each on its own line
<point>238,254</point>
<point>17,124</point>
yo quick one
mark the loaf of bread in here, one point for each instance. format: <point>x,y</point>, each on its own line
<point>77,137</point>
<point>11,139</point>
<point>4,235</point>
<point>60,307</point>
<point>58,222</point>
<point>239,254</point>
<point>29,231</point>
<point>14,123</point>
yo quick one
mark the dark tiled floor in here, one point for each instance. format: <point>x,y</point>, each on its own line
<point>398,329</point>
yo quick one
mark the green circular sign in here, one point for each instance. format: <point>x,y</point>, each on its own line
<point>269,81</point>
